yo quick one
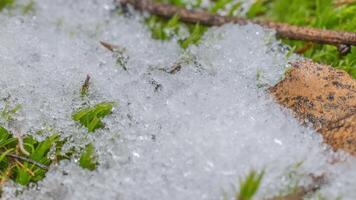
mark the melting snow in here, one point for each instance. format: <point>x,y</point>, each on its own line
<point>189,135</point>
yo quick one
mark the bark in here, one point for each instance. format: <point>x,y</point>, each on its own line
<point>283,30</point>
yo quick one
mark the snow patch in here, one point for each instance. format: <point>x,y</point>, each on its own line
<point>189,135</point>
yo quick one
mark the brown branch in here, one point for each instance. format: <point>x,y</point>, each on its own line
<point>282,30</point>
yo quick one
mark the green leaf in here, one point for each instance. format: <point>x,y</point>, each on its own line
<point>220,4</point>
<point>88,159</point>
<point>2,156</point>
<point>257,8</point>
<point>8,114</point>
<point>6,139</point>
<point>91,117</point>
<point>194,37</point>
<point>40,152</point>
<point>22,176</point>
<point>234,8</point>
<point>29,7</point>
<point>25,169</point>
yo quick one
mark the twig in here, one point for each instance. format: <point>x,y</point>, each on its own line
<point>108,46</point>
<point>85,87</point>
<point>121,59</point>
<point>283,30</point>
<point>27,160</point>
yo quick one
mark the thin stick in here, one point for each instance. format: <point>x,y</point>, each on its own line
<point>283,30</point>
<point>40,165</point>
<point>108,46</point>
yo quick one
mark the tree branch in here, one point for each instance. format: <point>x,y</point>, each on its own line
<point>283,30</point>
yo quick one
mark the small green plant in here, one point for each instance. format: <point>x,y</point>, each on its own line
<point>28,7</point>
<point>22,168</point>
<point>249,186</point>
<point>91,117</point>
<point>220,4</point>
<point>257,8</point>
<point>180,3</point>
<point>24,159</point>
<point>196,33</point>
<point>8,113</point>
<point>88,159</point>
<point>166,29</point>
<point>5,3</point>
<point>162,29</point>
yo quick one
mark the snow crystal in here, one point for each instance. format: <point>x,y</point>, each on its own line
<point>189,135</point>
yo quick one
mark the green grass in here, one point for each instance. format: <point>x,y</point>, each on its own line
<point>91,117</point>
<point>163,29</point>
<point>23,159</point>
<point>23,168</point>
<point>5,3</point>
<point>318,13</point>
<point>166,29</point>
<point>88,159</point>
<point>20,170</point>
<point>196,33</point>
<point>25,7</point>
<point>8,112</point>
<point>249,185</point>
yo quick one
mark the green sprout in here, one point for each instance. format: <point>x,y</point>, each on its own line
<point>29,7</point>
<point>88,159</point>
<point>8,113</point>
<point>91,117</point>
<point>196,34</point>
<point>249,186</point>
<point>16,165</point>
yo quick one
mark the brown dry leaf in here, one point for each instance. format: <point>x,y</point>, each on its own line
<point>323,96</point>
